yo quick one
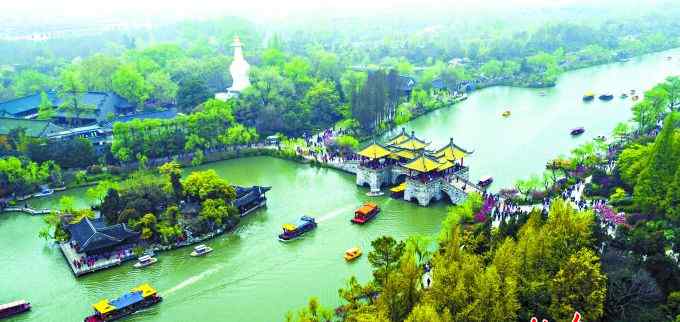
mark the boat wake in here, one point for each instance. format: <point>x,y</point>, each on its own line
<point>192,280</point>
<point>336,213</point>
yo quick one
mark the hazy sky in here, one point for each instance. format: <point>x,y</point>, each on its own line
<point>268,8</point>
<point>258,10</point>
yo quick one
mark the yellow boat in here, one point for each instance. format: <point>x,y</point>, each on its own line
<point>589,96</point>
<point>352,254</point>
<point>506,114</point>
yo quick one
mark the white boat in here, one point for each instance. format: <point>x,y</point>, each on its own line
<point>145,261</point>
<point>44,193</point>
<point>375,193</point>
<point>201,250</point>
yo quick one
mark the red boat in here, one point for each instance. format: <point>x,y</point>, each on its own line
<point>365,213</point>
<point>14,308</point>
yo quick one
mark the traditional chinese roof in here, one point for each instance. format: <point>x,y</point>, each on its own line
<point>374,151</point>
<point>102,103</point>
<point>445,165</point>
<point>399,138</point>
<point>92,235</point>
<point>451,152</point>
<point>403,154</point>
<point>423,164</point>
<point>34,128</point>
<point>245,196</point>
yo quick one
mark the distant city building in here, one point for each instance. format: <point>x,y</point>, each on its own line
<point>239,73</point>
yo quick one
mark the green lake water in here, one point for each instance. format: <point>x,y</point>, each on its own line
<point>251,276</point>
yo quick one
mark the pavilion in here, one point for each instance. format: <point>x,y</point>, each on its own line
<point>427,174</point>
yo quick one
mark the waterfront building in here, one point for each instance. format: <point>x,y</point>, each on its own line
<point>238,69</point>
<point>102,105</point>
<point>93,236</point>
<point>250,199</point>
<point>427,175</point>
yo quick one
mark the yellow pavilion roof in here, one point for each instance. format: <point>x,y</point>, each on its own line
<point>412,144</point>
<point>423,164</point>
<point>404,154</point>
<point>400,138</point>
<point>374,151</point>
<point>103,306</point>
<point>451,152</point>
<point>445,165</point>
<point>399,188</point>
<point>146,290</point>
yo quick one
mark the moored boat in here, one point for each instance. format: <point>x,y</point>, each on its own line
<point>589,96</point>
<point>624,95</point>
<point>635,97</point>
<point>577,131</point>
<point>365,213</point>
<point>398,191</point>
<point>506,113</point>
<point>485,181</point>
<point>201,250</point>
<point>44,192</point>
<point>145,261</point>
<point>352,254</point>
<point>292,231</point>
<point>140,297</point>
<point>601,138</point>
<point>14,308</point>
<point>375,193</point>
<point>606,97</point>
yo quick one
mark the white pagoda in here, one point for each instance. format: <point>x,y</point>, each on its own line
<point>239,72</point>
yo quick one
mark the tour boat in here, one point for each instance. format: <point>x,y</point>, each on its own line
<point>14,308</point>
<point>606,97</point>
<point>140,297</point>
<point>398,191</point>
<point>577,131</point>
<point>201,250</point>
<point>588,96</point>
<point>365,213</point>
<point>506,113</point>
<point>485,181</point>
<point>292,231</point>
<point>635,97</point>
<point>632,92</point>
<point>145,261</point>
<point>624,95</point>
<point>375,193</point>
<point>352,254</point>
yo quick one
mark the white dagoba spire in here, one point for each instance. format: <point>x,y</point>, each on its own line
<point>239,68</point>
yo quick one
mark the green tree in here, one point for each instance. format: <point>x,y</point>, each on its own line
<point>71,90</point>
<point>579,286</point>
<point>30,82</point>
<point>45,109</point>
<point>203,185</point>
<point>384,257</point>
<point>128,82</point>
<point>163,89</point>
<point>323,102</point>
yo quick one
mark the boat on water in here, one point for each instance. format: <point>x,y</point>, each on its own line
<point>398,191</point>
<point>635,98</point>
<point>624,95</point>
<point>606,97</point>
<point>632,91</point>
<point>201,250</point>
<point>44,192</point>
<point>506,113</point>
<point>299,228</point>
<point>145,261</point>
<point>352,254</point>
<point>365,213</point>
<point>140,297</point>
<point>577,131</point>
<point>375,193</point>
<point>601,138</point>
<point>589,96</point>
<point>485,181</point>
<point>14,308</point>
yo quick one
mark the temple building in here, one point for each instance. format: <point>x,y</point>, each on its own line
<point>93,236</point>
<point>426,174</point>
<point>239,73</point>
